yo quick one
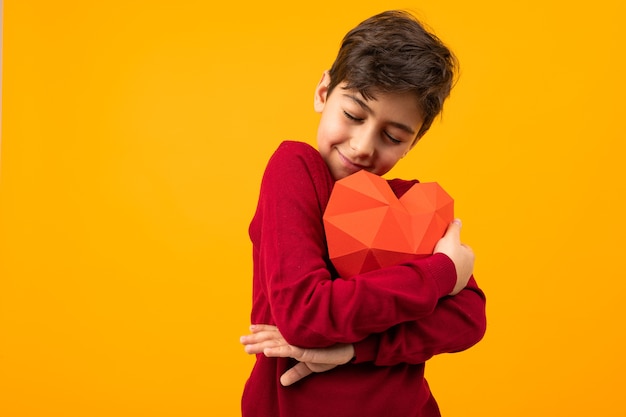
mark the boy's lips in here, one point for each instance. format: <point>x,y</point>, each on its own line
<point>351,166</point>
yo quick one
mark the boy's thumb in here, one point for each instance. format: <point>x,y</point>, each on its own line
<point>455,227</point>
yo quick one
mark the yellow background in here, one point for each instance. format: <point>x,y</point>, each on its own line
<point>134,136</point>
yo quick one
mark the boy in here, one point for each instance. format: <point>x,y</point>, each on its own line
<point>381,95</point>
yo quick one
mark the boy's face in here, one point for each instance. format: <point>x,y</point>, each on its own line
<point>355,133</point>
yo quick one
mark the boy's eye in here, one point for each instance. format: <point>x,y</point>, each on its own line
<point>392,139</point>
<point>351,117</point>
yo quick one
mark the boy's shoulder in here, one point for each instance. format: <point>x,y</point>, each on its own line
<point>296,168</point>
<point>296,153</point>
<point>296,147</point>
<point>297,158</point>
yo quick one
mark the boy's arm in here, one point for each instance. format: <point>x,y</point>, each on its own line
<point>310,308</point>
<point>458,323</point>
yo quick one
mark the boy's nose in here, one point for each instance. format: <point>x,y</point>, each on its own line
<point>362,147</point>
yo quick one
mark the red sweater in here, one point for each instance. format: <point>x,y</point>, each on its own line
<point>396,317</point>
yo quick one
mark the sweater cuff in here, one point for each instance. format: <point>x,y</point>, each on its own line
<point>366,350</point>
<point>443,271</point>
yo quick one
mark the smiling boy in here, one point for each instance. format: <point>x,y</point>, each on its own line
<point>381,95</point>
<point>356,133</point>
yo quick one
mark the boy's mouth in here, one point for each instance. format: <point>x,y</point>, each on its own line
<point>351,166</point>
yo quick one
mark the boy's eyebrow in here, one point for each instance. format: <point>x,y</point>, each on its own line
<point>367,108</point>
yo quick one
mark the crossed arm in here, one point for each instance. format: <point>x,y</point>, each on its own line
<point>411,342</point>
<point>462,314</point>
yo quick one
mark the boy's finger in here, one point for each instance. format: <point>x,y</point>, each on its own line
<point>282,351</point>
<point>249,339</point>
<point>278,347</point>
<point>256,328</point>
<point>254,348</point>
<point>454,229</point>
<point>259,337</point>
<point>295,374</point>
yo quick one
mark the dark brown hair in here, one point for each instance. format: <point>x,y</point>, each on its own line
<point>392,52</point>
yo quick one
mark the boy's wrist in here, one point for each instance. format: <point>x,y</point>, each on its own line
<point>443,272</point>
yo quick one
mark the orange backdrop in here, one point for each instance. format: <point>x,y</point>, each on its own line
<point>134,136</point>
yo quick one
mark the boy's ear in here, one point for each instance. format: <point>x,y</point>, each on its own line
<point>321,92</point>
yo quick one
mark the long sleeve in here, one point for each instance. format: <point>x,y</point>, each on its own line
<point>456,324</point>
<point>293,285</point>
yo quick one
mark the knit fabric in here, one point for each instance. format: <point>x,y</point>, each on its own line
<point>396,317</point>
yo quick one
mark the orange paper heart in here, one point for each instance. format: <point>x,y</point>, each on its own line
<point>368,227</point>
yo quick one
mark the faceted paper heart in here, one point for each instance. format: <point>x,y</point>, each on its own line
<point>368,227</point>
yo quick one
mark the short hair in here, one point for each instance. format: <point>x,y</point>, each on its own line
<point>392,52</point>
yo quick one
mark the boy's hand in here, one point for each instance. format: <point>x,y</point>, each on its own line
<point>267,339</point>
<point>461,254</point>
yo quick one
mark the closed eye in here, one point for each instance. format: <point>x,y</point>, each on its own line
<point>392,139</point>
<point>351,117</point>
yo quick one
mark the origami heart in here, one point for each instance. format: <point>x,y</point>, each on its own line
<point>368,227</point>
